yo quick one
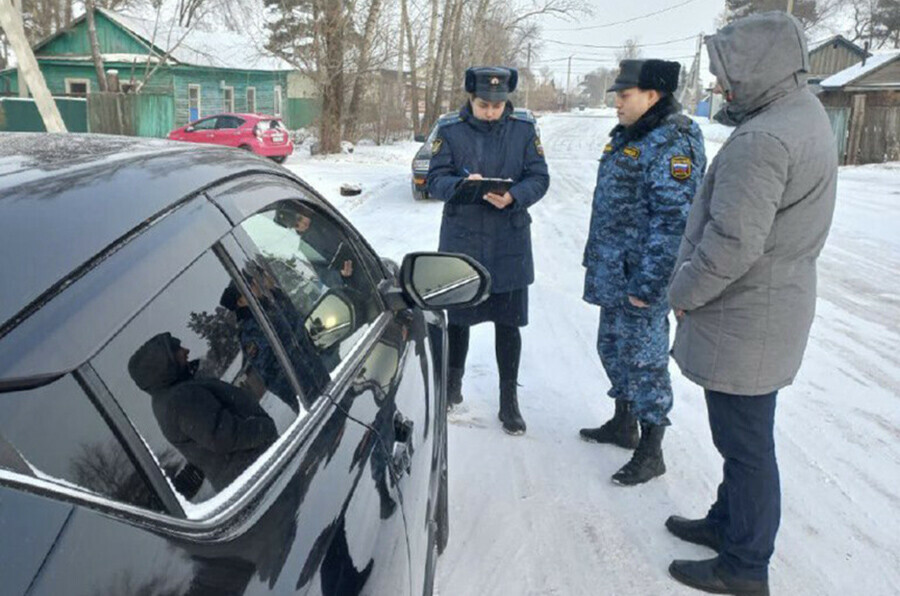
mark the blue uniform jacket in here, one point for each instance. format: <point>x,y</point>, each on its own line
<point>647,178</point>
<point>499,239</point>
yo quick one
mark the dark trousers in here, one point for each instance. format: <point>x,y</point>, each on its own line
<point>507,349</point>
<point>747,510</point>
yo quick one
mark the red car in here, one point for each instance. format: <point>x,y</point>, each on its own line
<point>263,135</point>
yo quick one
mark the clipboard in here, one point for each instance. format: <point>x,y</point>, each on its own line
<point>472,191</point>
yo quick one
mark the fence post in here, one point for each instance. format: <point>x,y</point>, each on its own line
<point>857,125</point>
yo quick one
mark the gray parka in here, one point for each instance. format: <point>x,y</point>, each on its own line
<point>746,269</point>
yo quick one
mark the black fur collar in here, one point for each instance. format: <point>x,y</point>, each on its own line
<point>654,117</point>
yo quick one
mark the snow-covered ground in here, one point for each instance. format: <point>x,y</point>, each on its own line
<point>538,514</point>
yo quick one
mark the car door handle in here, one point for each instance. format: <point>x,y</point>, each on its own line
<point>401,456</point>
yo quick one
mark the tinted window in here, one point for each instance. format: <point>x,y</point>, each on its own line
<point>55,433</point>
<point>319,271</point>
<point>228,122</point>
<point>207,124</point>
<point>196,373</point>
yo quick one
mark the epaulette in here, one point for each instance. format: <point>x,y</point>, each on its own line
<point>683,122</point>
<point>449,118</point>
<point>522,114</point>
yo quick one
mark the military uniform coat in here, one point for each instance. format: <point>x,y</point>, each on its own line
<point>499,239</point>
<point>647,178</point>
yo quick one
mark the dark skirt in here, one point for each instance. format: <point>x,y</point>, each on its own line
<point>507,308</point>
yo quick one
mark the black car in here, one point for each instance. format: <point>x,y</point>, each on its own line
<point>209,382</point>
<point>422,158</point>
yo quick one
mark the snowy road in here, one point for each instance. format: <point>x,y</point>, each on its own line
<point>538,515</point>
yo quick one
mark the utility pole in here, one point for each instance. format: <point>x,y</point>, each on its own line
<point>568,77</point>
<point>790,6</point>
<point>528,82</point>
<point>11,22</point>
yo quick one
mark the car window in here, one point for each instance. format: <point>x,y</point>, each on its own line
<point>54,433</point>
<point>228,122</point>
<point>271,125</point>
<point>200,379</point>
<point>207,124</point>
<point>320,272</point>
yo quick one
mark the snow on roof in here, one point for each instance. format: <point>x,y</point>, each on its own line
<point>217,49</point>
<point>857,71</point>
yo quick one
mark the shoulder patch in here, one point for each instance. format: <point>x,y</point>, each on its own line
<point>436,145</point>
<point>523,115</point>
<point>680,167</point>
<point>538,146</point>
<point>632,152</point>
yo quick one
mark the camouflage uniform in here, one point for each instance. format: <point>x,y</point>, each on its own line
<point>647,177</point>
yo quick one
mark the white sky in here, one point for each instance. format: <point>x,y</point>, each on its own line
<point>686,21</point>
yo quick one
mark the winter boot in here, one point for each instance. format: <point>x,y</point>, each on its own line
<point>711,576</point>
<point>697,531</point>
<point>454,387</point>
<point>621,429</point>
<point>509,415</point>
<point>647,461</point>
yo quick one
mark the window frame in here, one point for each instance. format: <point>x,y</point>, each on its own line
<point>247,97</point>
<point>199,89</point>
<point>228,104</point>
<point>69,81</point>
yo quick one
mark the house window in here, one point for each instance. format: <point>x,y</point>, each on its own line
<point>278,100</point>
<point>228,98</point>
<point>78,87</point>
<point>251,100</point>
<point>193,102</point>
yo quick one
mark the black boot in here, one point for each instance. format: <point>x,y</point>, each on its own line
<point>621,429</point>
<point>711,576</point>
<point>509,415</point>
<point>454,387</point>
<point>647,461</point>
<point>696,531</point>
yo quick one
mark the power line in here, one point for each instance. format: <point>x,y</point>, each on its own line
<point>619,47</point>
<point>631,20</point>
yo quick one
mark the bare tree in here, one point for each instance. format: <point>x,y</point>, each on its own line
<point>362,65</point>
<point>95,46</point>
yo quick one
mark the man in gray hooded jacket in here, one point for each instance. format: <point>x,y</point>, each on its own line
<point>744,287</point>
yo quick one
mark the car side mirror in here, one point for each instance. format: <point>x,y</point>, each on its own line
<point>419,138</point>
<point>444,281</point>
<point>331,321</point>
<point>189,129</point>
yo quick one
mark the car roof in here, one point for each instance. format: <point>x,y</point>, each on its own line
<point>245,116</point>
<point>66,198</point>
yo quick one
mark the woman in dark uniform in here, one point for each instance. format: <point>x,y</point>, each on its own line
<point>487,138</point>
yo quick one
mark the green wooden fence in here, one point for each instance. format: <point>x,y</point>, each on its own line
<point>22,115</point>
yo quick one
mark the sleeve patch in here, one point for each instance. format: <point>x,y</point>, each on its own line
<point>680,167</point>
<point>436,145</point>
<point>538,146</point>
